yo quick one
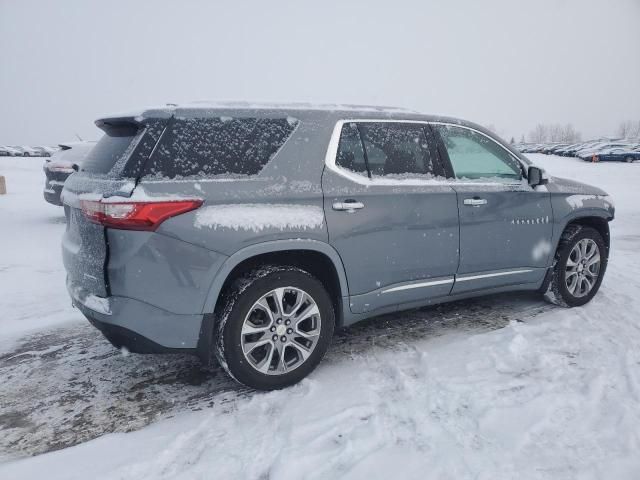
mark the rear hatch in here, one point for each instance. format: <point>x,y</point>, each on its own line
<point>109,169</point>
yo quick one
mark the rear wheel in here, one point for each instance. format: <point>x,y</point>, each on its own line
<point>579,266</point>
<point>275,327</point>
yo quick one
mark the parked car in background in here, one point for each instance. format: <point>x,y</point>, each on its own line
<point>249,233</point>
<point>26,151</point>
<point>588,146</point>
<point>63,163</point>
<point>551,149</point>
<point>43,151</point>
<point>564,151</point>
<point>532,148</point>
<point>6,151</point>
<point>617,154</point>
<point>589,153</point>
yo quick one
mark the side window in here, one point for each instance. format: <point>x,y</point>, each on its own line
<point>115,145</point>
<point>396,149</point>
<point>475,156</point>
<point>218,146</point>
<point>350,154</point>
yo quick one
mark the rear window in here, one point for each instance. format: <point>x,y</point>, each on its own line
<point>112,147</point>
<point>396,149</point>
<point>218,146</point>
<point>390,150</point>
<point>350,152</point>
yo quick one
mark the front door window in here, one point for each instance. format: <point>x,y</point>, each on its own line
<point>475,156</point>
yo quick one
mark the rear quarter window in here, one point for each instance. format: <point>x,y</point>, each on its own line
<point>218,146</point>
<point>115,145</point>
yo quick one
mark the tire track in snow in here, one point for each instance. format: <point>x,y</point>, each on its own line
<point>69,385</point>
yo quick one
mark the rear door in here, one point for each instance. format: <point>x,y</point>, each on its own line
<point>107,170</point>
<point>505,225</point>
<point>390,215</point>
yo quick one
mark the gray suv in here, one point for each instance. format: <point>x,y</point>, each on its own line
<point>250,233</point>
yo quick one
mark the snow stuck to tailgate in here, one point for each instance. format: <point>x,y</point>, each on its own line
<point>258,217</point>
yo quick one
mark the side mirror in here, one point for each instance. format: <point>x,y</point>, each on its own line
<point>536,176</point>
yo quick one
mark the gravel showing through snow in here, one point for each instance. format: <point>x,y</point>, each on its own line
<point>499,387</point>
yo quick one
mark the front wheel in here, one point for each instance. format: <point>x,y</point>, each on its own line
<point>579,266</point>
<point>275,327</point>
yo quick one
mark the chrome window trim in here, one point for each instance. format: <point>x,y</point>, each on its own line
<point>332,153</point>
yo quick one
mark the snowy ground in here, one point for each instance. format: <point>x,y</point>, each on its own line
<point>493,388</point>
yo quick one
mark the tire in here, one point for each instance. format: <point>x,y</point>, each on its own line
<point>563,276</point>
<point>629,159</point>
<point>263,367</point>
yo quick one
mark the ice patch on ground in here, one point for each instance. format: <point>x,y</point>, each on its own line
<point>258,217</point>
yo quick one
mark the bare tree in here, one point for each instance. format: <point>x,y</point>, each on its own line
<point>554,133</point>
<point>539,134</point>
<point>629,129</point>
<point>570,135</point>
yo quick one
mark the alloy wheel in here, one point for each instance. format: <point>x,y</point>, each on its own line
<point>281,330</point>
<point>583,267</point>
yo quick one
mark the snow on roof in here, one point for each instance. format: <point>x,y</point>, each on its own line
<point>170,108</point>
<point>206,104</point>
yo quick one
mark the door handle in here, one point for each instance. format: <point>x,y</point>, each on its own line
<point>475,202</point>
<point>348,206</point>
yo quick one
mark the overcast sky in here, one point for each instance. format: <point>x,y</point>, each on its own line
<point>507,63</point>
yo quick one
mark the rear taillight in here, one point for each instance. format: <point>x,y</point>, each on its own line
<point>135,215</point>
<point>63,167</point>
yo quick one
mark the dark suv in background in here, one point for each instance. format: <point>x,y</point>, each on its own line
<point>60,165</point>
<point>251,232</point>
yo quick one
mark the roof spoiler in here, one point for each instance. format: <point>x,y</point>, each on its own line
<point>103,123</point>
<point>70,145</point>
<point>135,118</point>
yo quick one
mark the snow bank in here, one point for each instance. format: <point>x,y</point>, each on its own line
<point>257,217</point>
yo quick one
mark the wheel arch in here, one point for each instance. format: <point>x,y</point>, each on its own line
<point>598,222</point>
<point>318,258</point>
<point>595,220</point>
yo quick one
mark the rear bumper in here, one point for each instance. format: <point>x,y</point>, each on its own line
<point>138,326</point>
<point>121,337</point>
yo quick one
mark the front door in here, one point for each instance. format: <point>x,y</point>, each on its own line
<point>394,225</point>
<point>505,224</point>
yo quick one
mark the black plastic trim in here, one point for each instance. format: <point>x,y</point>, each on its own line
<point>134,342</point>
